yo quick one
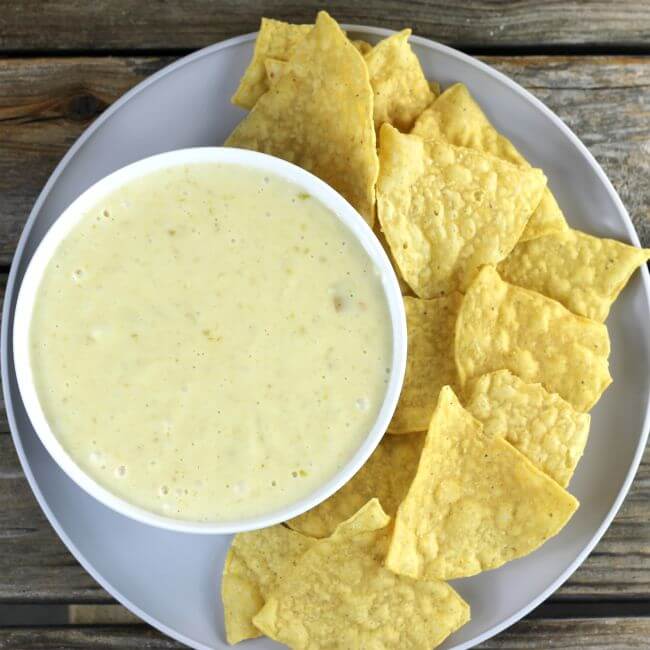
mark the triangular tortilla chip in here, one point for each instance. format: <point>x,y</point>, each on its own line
<point>401,91</point>
<point>339,595</point>
<point>456,116</point>
<point>386,475</point>
<point>447,210</point>
<point>474,504</point>
<point>400,88</point>
<point>319,116</point>
<point>276,40</point>
<point>430,362</point>
<point>254,564</point>
<point>501,326</point>
<point>584,273</point>
<point>541,425</point>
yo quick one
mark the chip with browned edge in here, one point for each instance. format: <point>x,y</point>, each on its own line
<point>318,115</point>
<point>339,595</point>
<point>457,117</point>
<point>254,564</point>
<point>474,504</point>
<point>386,475</point>
<point>430,362</point>
<point>541,425</point>
<point>447,210</point>
<point>501,326</point>
<point>584,273</point>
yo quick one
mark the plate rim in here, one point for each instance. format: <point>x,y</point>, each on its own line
<point>154,78</point>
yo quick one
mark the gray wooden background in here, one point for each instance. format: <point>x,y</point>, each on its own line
<point>63,62</point>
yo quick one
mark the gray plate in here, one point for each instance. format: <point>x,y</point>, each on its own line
<point>171,580</point>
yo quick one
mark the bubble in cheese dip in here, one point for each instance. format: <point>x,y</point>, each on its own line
<point>210,343</point>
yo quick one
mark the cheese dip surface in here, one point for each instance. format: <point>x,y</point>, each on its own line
<point>210,343</point>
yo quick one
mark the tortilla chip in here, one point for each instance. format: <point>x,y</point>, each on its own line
<point>584,273</point>
<point>386,475</point>
<point>254,564</point>
<point>541,425</point>
<point>474,504</point>
<point>275,67</point>
<point>276,40</point>
<point>501,326</point>
<point>430,362</point>
<point>318,115</point>
<point>434,86</point>
<point>363,46</point>
<point>401,90</point>
<point>339,595</point>
<point>447,210</point>
<point>458,118</point>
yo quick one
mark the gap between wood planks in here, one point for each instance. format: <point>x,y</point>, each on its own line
<point>33,615</point>
<point>598,49</point>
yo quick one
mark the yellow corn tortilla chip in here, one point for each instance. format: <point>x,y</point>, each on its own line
<point>434,86</point>
<point>386,475</point>
<point>501,326</point>
<point>401,91</point>
<point>254,564</point>
<point>584,273</point>
<point>456,116</point>
<point>430,362</point>
<point>400,88</point>
<point>541,425</point>
<point>275,40</point>
<point>447,210</point>
<point>339,595</point>
<point>363,46</point>
<point>275,67</point>
<point>318,115</point>
<point>474,504</point>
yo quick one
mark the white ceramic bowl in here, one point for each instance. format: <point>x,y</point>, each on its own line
<point>68,220</point>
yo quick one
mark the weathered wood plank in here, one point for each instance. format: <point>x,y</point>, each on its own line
<point>35,566</point>
<point>105,24</point>
<point>45,104</point>
<point>134,637</point>
<point>586,634</point>
<point>582,633</point>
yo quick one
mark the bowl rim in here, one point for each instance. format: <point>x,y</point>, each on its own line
<point>68,220</point>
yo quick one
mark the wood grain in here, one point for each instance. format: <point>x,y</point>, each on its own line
<point>45,104</point>
<point>31,25</point>
<point>48,102</point>
<point>585,634</point>
<point>36,567</point>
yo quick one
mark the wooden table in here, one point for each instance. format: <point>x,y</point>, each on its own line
<point>62,63</point>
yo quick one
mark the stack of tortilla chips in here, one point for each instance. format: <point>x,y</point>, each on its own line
<point>507,348</point>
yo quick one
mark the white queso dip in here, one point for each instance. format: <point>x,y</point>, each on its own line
<point>210,343</point>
